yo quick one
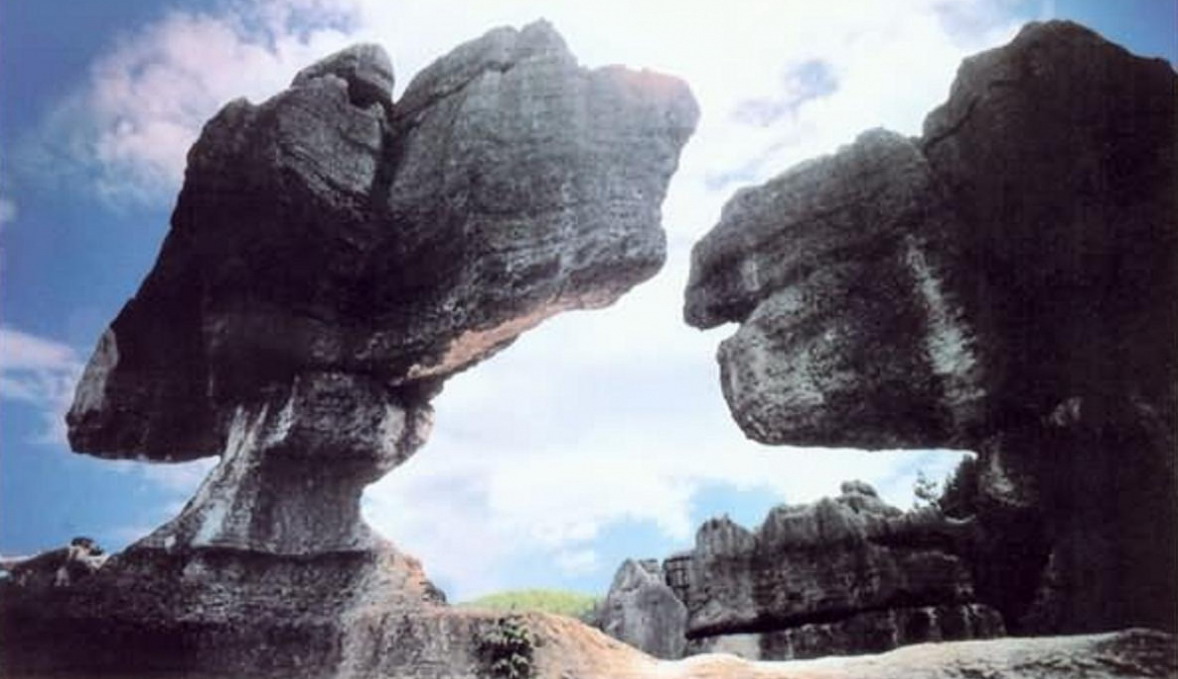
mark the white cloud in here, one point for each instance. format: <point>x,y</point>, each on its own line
<point>577,562</point>
<point>596,418</point>
<point>43,373</point>
<point>128,128</point>
<point>8,211</point>
<point>40,372</point>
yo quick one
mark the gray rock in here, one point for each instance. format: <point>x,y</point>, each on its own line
<point>805,264</point>
<point>292,473</point>
<point>834,577</point>
<point>365,68</point>
<point>334,256</point>
<point>1001,284</point>
<point>641,610</point>
<point>841,576</point>
<point>317,233</point>
<point>859,633</point>
<point>1133,653</point>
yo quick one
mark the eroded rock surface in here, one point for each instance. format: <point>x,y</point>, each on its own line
<point>643,611</point>
<point>842,576</point>
<point>1003,284</point>
<point>334,256</point>
<point>323,231</point>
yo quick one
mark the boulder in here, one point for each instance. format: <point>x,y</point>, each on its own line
<point>334,256</point>
<point>1002,284</point>
<point>643,611</point>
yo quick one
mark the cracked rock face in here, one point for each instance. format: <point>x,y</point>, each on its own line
<point>1004,284</point>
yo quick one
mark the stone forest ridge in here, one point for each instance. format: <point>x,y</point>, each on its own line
<point>1004,283</point>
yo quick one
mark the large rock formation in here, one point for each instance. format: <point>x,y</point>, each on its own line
<point>333,257</point>
<point>1006,284</point>
<point>842,576</point>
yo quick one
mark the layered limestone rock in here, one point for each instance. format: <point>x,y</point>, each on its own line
<point>842,576</point>
<point>643,611</point>
<point>334,256</point>
<point>1004,283</point>
<point>328,230</point>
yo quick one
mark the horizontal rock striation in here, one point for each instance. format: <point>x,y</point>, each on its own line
<point>859,633</point>
<point>1005,284</point>
<point>842,576</point>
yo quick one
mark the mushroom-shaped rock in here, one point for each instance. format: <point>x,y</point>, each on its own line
<point>334,257</point>
<point>315,233</point>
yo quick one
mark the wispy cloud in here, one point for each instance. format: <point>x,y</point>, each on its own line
<point>43,373</point>
<point>8,211</point>
<point>127,130</point>
<point>40,372</point>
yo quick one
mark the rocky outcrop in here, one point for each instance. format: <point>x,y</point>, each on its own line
<point>334,256</point>
<point>643,611</point>
<point>842,576</point>
<point>1005,284</point>
<point>329,231</point>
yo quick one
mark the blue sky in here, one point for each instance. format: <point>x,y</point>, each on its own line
<point>598,436</point>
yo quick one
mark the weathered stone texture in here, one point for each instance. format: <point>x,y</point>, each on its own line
<point>842,576</point>
<point>323,231</point>
<point>643,611</point>
<point>1004,284</point>
<point>334,256</point>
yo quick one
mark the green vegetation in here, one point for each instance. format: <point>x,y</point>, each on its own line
<point>572,604</point>
<point>507,649</point>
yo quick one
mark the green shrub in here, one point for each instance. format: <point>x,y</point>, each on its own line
<point>507,650</point>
